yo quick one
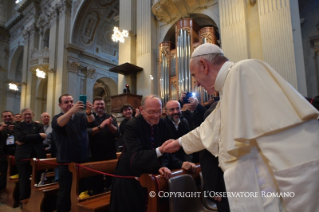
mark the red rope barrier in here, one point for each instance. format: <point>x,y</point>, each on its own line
<point>108,174</point>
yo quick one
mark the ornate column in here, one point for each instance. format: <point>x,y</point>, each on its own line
<point>4,58</point>
<point>31,78</point>
<point>233,29</point>
<point>146,44</point>
<point>25,69</point>
<point>51,98</point>
<point>127,50</point>
<point>63,37</point>
<point>278,39</point>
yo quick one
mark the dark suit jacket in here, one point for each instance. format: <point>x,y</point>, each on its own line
<point>32,142</point>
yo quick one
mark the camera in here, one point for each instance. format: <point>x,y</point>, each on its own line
<point>187,96</point>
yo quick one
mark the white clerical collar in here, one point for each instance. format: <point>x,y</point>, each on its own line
<point>222,74</point>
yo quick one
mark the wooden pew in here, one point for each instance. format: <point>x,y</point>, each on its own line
<point>157,204</point>
<point>99,202</point>
<point>41,195</point>
<point>12,190</point>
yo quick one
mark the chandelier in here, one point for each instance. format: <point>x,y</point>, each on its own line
<point>40,74</point>
<point>118,35</point>
<point>13,87</point>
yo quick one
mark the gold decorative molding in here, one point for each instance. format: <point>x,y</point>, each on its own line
<point>170,10</point>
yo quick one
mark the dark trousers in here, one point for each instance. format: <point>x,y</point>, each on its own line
<point>25,170</point>
<point>65,184</point>
<point>3,173</point>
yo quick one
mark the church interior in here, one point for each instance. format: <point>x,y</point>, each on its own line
<point>70,43</point>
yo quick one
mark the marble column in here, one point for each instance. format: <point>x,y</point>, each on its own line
<point>127,50</point>
<point>52,100</point>
<point>279,37</point>
<point>233,29</point>
<point>146,48</point>
<point>4,51</point>
<point>25,72</point>
<point>63,39</point>
<point>31,78</point>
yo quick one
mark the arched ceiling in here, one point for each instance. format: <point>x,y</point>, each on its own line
<point>93,28</point>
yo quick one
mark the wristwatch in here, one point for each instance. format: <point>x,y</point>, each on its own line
<point>99,127</point>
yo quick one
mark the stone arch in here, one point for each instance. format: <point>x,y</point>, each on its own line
<point>105,87</point>
<point>16,62</point>
<point>93,26</point>
<point>201,19</point>
<point>41,97</point>
<point>46,39</point>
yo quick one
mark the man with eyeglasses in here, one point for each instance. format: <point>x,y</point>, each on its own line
<point>142,151</point>
<point>177,126</point>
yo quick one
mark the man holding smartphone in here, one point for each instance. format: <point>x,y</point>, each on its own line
<point>7,145</point>
<point>72,142</point>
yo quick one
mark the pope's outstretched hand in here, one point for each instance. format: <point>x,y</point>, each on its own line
<point>171,146</point>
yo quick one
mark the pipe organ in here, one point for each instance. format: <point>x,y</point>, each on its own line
<point>174,59</point>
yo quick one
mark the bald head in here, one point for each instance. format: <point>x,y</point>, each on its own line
<point>151,109</point>
<point>173,110</point>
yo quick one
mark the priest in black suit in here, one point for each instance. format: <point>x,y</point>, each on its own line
<point>142,149</point>
<point>177,126</point>
<point>29,136</point>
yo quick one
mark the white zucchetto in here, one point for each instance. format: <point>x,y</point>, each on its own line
<point>207,48</point>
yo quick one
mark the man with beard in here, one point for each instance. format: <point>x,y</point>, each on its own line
<point>176,126</point>
<point>102,140</point>
<point>7,145</point>
<point>72,143</point>
<point>142,149</point>
<point>29,136</point>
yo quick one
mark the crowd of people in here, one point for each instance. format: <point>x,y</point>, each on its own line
<point>237,133</point>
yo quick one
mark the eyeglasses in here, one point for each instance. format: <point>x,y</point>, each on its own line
<point>152,112</point>
<point>172,109</point>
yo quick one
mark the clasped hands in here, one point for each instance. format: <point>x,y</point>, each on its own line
<point>170,146</point>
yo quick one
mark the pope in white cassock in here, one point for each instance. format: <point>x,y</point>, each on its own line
<point>264,132</point>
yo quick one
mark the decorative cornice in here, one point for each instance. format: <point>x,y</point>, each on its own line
<point>64,7</point>
<point>170,10</point>
<point>13,22</point>
<point>81,51</point>
<point>73,67</point>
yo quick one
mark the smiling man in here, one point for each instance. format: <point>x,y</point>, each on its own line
<point>72,142</point>
<point>142,150</point>
<point>102,141</point>
<point>7,145</point>
<point>29,136</point>
<point>264,132</point>
<point>177,126</point>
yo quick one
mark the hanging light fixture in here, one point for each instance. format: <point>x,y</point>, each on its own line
<point>118,35</point>
<point>13,87</point>
<point>40,74</point>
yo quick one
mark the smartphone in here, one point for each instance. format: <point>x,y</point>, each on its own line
<point>187,96</point>
<point>83,99</point>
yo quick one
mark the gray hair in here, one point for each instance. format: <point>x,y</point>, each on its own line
<point>151,96</point>
<point>24,109</point>
<point>214,58</point>
<point>44,113</point>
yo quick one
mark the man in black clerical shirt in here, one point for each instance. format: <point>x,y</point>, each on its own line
<point>142,149</point>
<point>72,143</point>
<point>7,145</point>
<point>127,113</point>
<point>102,140</point>
<point>177,126</point>
<point>29,136</point>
